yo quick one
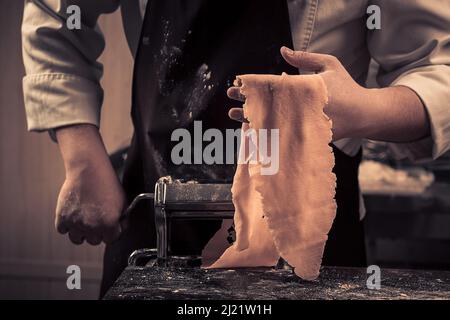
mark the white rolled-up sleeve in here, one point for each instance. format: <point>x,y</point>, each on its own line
<point>62,82</point>
<point>413,50</point>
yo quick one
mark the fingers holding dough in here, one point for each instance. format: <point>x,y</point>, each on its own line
<point>235,93</point>
<point>237,114</point>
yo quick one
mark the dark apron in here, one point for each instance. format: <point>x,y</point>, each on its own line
<point>190,52</point>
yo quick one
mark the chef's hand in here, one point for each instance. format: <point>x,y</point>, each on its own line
<point>91,199</point>
<point>387,114</point>
<point>344,93</point>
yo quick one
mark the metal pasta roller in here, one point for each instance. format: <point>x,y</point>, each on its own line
<point>175,199</point>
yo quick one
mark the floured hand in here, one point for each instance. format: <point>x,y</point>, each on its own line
<point>91,200</point>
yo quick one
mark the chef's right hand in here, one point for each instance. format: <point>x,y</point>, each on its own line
<point>91,199</point>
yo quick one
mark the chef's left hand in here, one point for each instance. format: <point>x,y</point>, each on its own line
<point>394,113</point>
<point>345,96</point>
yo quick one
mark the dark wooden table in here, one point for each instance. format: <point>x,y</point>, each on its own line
<point>264,283</point>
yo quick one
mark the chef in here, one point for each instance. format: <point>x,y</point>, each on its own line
<point>187,54</point>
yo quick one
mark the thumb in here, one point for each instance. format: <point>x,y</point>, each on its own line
<point>307,61</point>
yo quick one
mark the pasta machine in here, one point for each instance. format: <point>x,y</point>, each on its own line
<point>176,199</point>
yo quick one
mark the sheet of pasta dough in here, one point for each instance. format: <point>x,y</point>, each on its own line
<point>288,214</point>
